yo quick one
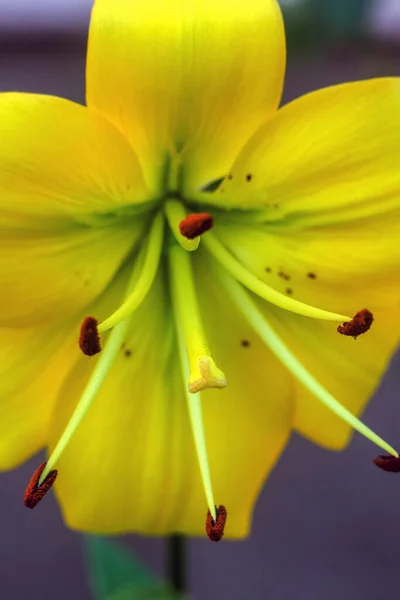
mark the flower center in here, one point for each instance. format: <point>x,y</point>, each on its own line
<point>198,367</point>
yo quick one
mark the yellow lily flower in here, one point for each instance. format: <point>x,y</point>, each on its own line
<point>94,206</point>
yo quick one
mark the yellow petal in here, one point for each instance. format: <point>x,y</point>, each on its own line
<point>339,268</point>
<point>46,277</point>
<point>335,148</point>
<point>132,466</point>
<point>64,175</point>
<point>33,363</point>
<point>191,77</point>
<point>61,163</point>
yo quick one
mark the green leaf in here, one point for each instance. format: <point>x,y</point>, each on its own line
<point>114,573</point>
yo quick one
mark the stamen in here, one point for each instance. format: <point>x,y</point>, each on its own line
<point>215,526</point>
<point>239,272</point>
<point>360,323</point>
<point>196,421</point>
<point>195,224</point>
<point>112,347</point>
<point>100,372</point>
<point>89,340</point>
<point>244,303</point>
<point>204,373</point>
<point>146,278</point>
<point>176,214</point>
<point>36,491</point>
<point>390,464</point>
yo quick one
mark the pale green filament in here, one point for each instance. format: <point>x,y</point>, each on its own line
<point>100,372</point>
<point>143,284</point>
<point>275,344</point>
<point>195,414</point>
<point>175,212</point>
<point>203,371</point>
<point>260,288</point>
<point>112,347</point>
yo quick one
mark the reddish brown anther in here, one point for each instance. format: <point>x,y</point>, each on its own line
<point>34,492</point>
<point>215,529</point>
<point>388,463</point>
<point>359,324</point>
<point>89,340</point>
<point>195,224</point>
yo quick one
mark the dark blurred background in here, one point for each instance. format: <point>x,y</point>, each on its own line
<point>327,525</point>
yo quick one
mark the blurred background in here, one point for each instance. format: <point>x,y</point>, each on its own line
<point>327,525</point>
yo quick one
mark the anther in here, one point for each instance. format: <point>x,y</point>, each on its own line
<point>195,224</point>
<point>34,492</point>
<point>388,463</point>
<point>215,528</point>
<point>359,324</point>
<point>89,340</point>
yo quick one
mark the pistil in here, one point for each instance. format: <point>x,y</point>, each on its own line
<point>195,413</point>
<point>203,371</point>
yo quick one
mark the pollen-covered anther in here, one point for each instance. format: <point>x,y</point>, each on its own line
<point>34,492</point>
<point>359,324</point>
<point>195,224</point>
<point>215,528</point>
<point>89,339</point>
<point>388,463</point>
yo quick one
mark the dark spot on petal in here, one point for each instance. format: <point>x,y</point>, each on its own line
<point>128,353</point>
<point>289,291</point>
<point>249,177</point>
<point>230,176</point>
<point>245,343</point>
<point>268,269</point>
<point>284,275</point>
<point>311,276</point>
